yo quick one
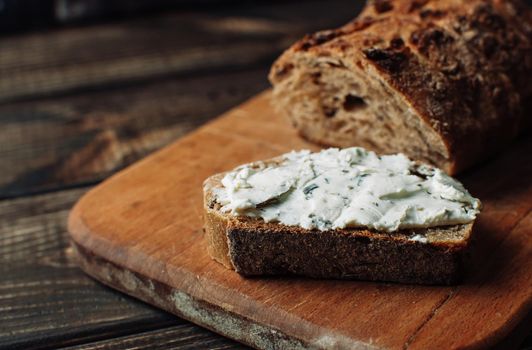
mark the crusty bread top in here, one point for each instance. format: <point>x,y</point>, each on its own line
<point>463,65</point>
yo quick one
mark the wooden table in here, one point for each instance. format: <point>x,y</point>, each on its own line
<point>78,104</point>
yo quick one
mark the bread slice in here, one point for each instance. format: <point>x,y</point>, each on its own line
<point>440,81</point>
<point>253,247</point>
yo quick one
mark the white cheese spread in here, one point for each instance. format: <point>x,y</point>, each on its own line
<point>344,188</point>
<point>418,238</point>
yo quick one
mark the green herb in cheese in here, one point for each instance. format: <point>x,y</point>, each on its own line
<point>344,188</point>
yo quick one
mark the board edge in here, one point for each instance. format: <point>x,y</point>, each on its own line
<point>186,306</point>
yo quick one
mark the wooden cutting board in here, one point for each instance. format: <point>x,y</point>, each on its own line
<point>141,232</point>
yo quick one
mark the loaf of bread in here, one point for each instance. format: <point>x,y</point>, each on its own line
<point>253,245</point>
<point>441,81</point>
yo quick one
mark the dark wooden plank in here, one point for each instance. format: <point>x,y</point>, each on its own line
<point>73,140</point>
<point>48,306</point>
<point>189,336</point>
<point>177,43</point>
<point>45,300</point>
<point>186,336</point>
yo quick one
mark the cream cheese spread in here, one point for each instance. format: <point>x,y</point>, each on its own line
<point>341,188</point>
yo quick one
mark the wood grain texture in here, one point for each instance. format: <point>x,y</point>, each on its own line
<point>179,43</point>
<point>182,337</point>
<point>116,92</point>
<point>72,140</point>
<point>154,234</point>
<point>45,300</point>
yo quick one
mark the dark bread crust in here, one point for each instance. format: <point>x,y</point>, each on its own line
<point>462,67</point>
<point>253,247</point>
<point>342,255</point>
